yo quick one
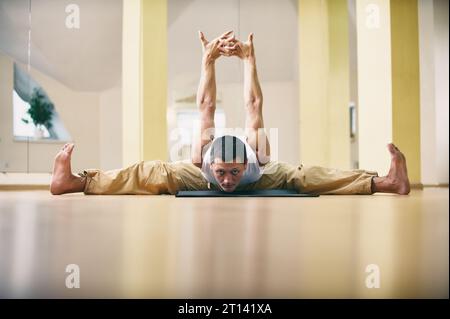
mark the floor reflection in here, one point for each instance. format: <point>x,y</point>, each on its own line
<point>162,247</point>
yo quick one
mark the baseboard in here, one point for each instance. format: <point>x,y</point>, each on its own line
<point>422,186</point>
<point>22,179</point>
<point>436,185</point>
<point>41,181</point>
<point>23,187</point>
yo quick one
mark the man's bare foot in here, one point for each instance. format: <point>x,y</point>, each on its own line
<point>63,181</point>
<point>396,180</point>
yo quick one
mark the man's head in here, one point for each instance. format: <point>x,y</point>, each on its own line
<point>228,161</point>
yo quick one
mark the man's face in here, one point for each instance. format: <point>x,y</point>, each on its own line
<point>228,175</point>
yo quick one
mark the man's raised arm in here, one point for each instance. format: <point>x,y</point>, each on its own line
<point>206,93</point>
<point>253,98</point>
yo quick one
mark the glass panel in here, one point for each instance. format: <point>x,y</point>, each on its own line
<point>76,75</point>
<point>14,36</point>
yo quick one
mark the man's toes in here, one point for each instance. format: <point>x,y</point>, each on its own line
<point>63,155</point>
<point>397,150</point>
<point>60,154</point>
<point>400,155</point>
<point>70,148</point>
<point>392,149</point>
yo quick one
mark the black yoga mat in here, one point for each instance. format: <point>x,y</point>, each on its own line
<point>252,193</point>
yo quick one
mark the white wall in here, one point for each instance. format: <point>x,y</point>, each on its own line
<point>374,86</point>
<point>131,88</point>
<point>441,86</point>
<point>110,128</point>
<point>434,99</point>
<point>279,111</point>
<point>353,77</point>
<point>427,101</point>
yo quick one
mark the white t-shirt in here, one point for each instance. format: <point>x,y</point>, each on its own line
<point>252,173</point>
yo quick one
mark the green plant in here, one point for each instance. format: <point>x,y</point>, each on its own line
<point>41,110</point>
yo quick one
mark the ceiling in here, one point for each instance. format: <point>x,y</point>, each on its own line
<point>84,59</point>
<point>89,58</point>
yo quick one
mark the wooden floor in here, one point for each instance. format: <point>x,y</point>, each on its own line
<point>162,246</point>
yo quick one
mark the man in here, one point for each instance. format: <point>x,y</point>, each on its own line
<point>228,162</point>
<point>228,173</point>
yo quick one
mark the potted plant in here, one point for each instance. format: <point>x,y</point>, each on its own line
<point>40,111</point>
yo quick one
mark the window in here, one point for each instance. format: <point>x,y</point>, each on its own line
<point>28,94</point>
<point>21,128</point>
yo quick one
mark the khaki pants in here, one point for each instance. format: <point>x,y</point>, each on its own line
<point>157,177</point>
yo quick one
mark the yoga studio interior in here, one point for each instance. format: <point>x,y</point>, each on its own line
<point>119,79</point>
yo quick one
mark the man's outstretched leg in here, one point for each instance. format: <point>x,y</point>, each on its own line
<point>396,180</point>
<point>327,181</point>
<point>143,178</point>
<point>63,181</point>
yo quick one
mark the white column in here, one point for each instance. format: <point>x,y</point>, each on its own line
<point>427,103</point>
<point>441,82</point>
<point>131,90</point>
<point>434,99</point>
<point>374,84</point>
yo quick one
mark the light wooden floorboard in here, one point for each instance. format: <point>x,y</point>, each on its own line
<point>162,246</point>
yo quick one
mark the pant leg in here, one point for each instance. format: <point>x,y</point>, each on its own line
<point>321,180</point>
<point>190,176</point>
<point>315,179</point>
<point>143,178</point>
<point>274,177</point>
